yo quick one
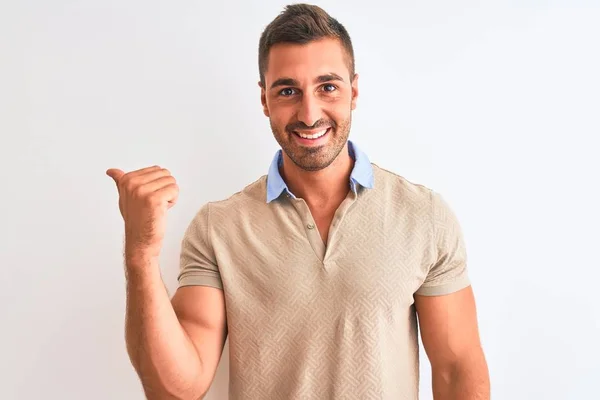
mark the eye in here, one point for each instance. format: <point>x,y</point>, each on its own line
<point>287,92</point>
<point>328,87</point>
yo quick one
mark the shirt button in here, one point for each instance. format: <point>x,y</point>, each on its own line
<point>310,226</point>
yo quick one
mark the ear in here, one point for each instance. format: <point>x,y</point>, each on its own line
<point>354,91</point>
<point>263,99</point>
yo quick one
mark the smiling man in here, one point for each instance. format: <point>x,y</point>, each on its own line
<point>320,272</point>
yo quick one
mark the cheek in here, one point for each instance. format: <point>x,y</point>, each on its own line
<point>339,114</point>
<point>281,115</point>
<point>278,122</point>
<point>338,106</point>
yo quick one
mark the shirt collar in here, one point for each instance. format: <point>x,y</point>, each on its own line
<point>362,173</point>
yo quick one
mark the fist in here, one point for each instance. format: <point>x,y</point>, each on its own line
<point>145,196</point>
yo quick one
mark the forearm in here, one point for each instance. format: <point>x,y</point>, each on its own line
<point>465,380</point>
<point>165,359</point>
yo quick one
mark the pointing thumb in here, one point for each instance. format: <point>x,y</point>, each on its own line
<point>116,174</point>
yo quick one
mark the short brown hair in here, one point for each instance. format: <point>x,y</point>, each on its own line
<point>300,24</point>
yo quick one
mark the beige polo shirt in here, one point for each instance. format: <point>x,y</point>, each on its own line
<point>313,321</point>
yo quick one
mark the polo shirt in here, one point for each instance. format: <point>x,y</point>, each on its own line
<point>309,320</point>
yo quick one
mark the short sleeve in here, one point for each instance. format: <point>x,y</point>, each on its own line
<point>447,272</point>
<point>198,266</point>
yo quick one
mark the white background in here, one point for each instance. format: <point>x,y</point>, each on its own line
<point>494,104</point>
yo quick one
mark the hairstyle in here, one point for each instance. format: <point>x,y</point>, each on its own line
<point>301,24</point>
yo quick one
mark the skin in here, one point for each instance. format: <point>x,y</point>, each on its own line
<point>307,88</point>
<point>175,344</point>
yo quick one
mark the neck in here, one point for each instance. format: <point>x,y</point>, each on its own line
<point>324,188</point>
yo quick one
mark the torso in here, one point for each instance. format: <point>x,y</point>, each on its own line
<point>297,314</point>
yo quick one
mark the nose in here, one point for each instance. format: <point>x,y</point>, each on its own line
<point>310,110</point>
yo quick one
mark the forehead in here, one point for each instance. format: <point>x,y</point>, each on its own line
<point>306,61</point>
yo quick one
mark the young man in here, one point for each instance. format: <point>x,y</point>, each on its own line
<point>317,271</point>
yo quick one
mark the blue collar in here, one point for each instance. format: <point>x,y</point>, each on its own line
<point>362,173</point>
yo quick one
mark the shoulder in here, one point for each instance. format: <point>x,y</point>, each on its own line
<point>249,200</point>
<point>411,197</point>
<point>402,192</point>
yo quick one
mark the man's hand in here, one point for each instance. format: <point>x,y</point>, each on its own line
<point>145,196</point>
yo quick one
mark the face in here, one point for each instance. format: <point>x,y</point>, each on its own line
<point>309,96</point>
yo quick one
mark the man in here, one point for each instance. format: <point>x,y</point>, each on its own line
<point>317,271</point>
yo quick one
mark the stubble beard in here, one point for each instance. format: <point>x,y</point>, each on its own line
<point>318,157</point>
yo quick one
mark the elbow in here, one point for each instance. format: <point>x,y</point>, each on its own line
<point>156,387</point>
<point>171,393</point>
<point>163,381</point>
<point>465,378</point>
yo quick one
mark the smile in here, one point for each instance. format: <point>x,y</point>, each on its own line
<point>313,136</point>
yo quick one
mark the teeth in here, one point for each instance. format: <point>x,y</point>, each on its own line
<point>314,136</point>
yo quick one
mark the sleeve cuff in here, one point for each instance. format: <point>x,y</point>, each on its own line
<point>200,280</point>
<point>445,288</point>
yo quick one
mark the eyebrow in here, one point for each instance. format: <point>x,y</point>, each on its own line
<point>320,79</point>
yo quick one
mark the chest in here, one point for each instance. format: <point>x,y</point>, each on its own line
<point>323,221</point>
<point>361,283</point>
<point>375,258</point>
<point>370,267</point>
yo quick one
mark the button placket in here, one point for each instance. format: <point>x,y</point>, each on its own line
<point>337,220</point>
<point>312,232</point>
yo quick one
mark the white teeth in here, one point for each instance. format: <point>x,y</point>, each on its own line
<point>313,136</point>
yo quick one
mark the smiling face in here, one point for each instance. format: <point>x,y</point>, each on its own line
<point>308,95</point>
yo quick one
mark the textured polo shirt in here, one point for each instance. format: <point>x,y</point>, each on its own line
<point>309,320</point>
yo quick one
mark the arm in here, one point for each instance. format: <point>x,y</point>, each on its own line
<point>445,307</point>
<point>451,340</point>
<point>175,347</point>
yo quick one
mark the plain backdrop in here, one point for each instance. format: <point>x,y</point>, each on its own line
<point>495,105</point>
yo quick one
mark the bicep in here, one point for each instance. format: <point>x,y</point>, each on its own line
<point>201,313</point>
<point>448,325</point>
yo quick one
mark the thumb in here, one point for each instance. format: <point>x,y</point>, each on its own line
<point>116,174</point>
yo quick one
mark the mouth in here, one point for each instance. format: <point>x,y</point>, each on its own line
<point>314,137</point>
